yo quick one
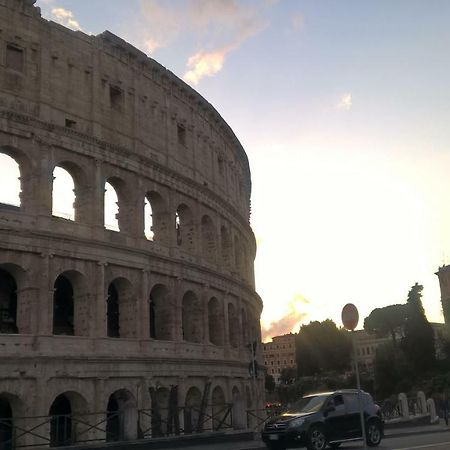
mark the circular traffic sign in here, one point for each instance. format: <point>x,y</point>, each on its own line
<point>350,316</point>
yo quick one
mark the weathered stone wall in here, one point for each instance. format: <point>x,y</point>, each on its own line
<point>103,111</point>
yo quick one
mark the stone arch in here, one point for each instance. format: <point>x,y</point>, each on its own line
<point>160,218</point>
<point>237,409</point>
<point>160,411</point>
<point>70,181</point>
<point>215,321</point>
<point>238,256</point>
<point>121,416</point>
<point>225,246</point>
<point>25,188</point>
<point>233,325</point>
<point>10,408</point>
<point>218,406</point>
<point>112,204</point>
<point>245,326</point>
<point>192,318</point>
<point>121,309</point>
<point>160,313</point>
<point>70,304</point>
<point>185,227</point>
<point>63,429</point>
<point>8,303</point>
<point>16,301</point>
<point>10,185</point>
<point>209,238</point>
<point>192,406</point>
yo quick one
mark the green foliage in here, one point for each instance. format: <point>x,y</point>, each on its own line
<point>388,320</point>
<point>288,375</point>
<point>269,383</point>
<point>322,347</point>
<point>393,373</point>
<point>418,342</point>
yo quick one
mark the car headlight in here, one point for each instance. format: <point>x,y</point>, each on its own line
<point>296,422</point>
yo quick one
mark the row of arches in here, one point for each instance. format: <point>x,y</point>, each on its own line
<point>72,193</point>
<point>71,418</point>
<point>203,319</point>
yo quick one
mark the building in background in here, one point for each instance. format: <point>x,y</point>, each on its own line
<point>366,349</point>
<point>279,354</point>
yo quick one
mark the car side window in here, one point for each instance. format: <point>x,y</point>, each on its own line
<point>337,402</point>
<point>351,403</point>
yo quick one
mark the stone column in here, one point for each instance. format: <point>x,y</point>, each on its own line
<point>99,329</point>
<point>143,308</point>
<point>226,326</point>
<point>97,197</point>
<point>27,310</point>
<point>45,310</point>
<point>205,319</point>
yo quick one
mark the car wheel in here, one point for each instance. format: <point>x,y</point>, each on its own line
<point>335,444</point>
<point>316,438</point>
<point>373,434</point>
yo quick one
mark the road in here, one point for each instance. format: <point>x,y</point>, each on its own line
<point>432,441</point>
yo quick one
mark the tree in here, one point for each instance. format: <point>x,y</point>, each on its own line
<point>418,342</point>
<point>269,383</point>
<point>321,346</point>
<point>388,320</point>
<point>288,375</point>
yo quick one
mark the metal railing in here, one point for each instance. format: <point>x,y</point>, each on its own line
<point>109,426</point>
<point>256,418</point>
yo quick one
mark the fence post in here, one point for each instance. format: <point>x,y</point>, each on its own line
<point>403,400</point>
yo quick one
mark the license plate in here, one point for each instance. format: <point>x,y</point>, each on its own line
<point>273,437</point>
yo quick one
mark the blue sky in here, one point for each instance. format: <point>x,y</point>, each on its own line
<point>343,108</point>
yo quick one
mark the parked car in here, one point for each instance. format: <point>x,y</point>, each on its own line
<point>329,418</point>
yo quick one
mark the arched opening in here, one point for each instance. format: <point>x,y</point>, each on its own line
<point>121,416</point>
<point>192,321</point>
<point>245,327</point>
<point>60,422</point>
<point>156,218</point>
<point>184,226</point>
<point>238,410</point>
<point>215,321</point>
<point>219,409</point>
<point>10,186</point>
<point>226,248</point>
<point>63,312</point>
<point>148,220</point>
<point>111,205</point>
<point>121,309</point>
<point>160,313</point>
<point>112,312</point>
<point>6,424</point>
<point>63,194</point>
<point>192,410</point>
<point>8,303</point>
<point>160,412</point>
<point>233,326</point>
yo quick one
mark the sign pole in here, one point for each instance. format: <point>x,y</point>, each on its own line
<point>358,386</point>
<point>350,318</point>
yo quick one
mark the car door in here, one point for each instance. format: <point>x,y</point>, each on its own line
<point>335,418</point>
<point>353,417</point>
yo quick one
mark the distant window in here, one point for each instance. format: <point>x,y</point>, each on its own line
<point>14,58</point>
<point>181,133</point>
<point>220,164</point>
<point>116,98</point>
<point>70,123</point>
<point>271,363</point>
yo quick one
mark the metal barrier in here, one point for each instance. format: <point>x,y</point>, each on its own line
<point>109,426</point>
<point>260,416</point>
<point>391,410</point>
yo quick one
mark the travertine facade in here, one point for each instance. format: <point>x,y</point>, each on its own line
<point>93,318</point>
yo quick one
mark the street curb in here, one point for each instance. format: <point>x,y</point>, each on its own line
<point>416,432</point>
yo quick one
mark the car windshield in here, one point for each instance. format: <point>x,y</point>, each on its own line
<point>308,404</point>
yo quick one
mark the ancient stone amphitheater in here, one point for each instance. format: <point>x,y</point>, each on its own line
<point>122,330</point>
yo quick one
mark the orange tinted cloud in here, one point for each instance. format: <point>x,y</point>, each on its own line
<point>290,322</point>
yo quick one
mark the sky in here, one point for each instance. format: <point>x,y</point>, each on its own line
<point>343,108</point>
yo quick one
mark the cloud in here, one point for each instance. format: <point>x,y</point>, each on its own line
<point>291,321</point>
<point>345,102</point>
<point>66,18</point>
<point>297,21</point>
<point>218,26</point>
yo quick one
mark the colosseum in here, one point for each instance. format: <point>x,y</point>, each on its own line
<point>136,326</point>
